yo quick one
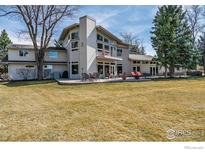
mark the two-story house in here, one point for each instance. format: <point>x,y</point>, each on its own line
<point>87,48</point>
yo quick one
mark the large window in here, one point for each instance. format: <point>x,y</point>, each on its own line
<point>107,47</point>
<point>100,69</point>
<point>138,68</point>
<point>75,36</point>
<point>74,68</point>
<point>99,37</point>
<point>23,52</point>
<point>119,68</point>
<point>74,46</point>
<point>53,54</point>
<point>106,40</point>
<point>100,46</point>
<point>119,52</point>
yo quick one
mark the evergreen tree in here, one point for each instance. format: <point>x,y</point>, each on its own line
<point>4,43</point>
<point>171,38</point>
<point>201,47</point>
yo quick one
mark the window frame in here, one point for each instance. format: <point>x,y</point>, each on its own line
<point>106,46</point>
<point>76,37</point>
<point>52,57</point>
<point>107,40</point>
<point>119,49</point>
<point>72,68</point>
<point>100,49</point>
<point>99,36</point>
<point>23,52</point>
<point>74,48</point>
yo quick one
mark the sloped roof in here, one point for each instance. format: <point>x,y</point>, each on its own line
<point>140,57</point>
<point>106,57</point>
<point>22,46</point>
<point>66,30</point>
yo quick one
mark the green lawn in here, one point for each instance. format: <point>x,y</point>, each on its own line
<point>140,111</point>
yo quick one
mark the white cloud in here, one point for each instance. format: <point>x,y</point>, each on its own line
<point>105,18</point>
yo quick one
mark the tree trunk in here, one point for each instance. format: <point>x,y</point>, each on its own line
<point>165,75</point>
<point>204,62</point>
<point>39,62</point>
<point>171,71</point>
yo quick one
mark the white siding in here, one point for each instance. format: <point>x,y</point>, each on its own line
<point>13,73</point>
<point>13,54</point>
<point>88,47</point>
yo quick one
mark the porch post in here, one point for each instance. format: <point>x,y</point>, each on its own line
<point>103,69</point>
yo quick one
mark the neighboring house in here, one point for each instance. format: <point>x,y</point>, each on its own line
<point>87,48</point>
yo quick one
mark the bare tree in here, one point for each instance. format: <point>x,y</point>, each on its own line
<point>128,38</point>
<point>194,14</point>
<point>136,45</point>
<point>40,22</point>
<point>194,17</point>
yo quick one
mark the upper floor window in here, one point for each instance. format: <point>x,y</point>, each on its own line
<point>74,45</point>
<point>145,62</point>
<point>106,40</point>
<point>119,52</point>
<point>53,54</point>
<point>75,36</point>
<point>99,37</point>
<point>23,52</point>
<point>100,46</point>
<point>107,47</point>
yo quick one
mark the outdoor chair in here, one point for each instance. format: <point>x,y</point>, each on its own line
<point>96,75</point>
<point>92,76</point>
<point>85,77</point>
<point>136,75</point>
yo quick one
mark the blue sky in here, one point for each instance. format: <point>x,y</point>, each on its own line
<point>117,19</point>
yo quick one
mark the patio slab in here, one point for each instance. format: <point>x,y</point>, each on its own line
<point>75,82</point>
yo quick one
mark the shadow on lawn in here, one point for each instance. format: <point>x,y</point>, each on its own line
<point>180,78</point>
<point>27,83</point>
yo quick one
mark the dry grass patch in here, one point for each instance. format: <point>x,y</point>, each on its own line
<point>45,111</point>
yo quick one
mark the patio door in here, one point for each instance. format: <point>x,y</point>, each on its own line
<point>112,70</point>
<point>107,72</point>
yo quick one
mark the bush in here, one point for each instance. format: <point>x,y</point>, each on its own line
<point>4,76</point>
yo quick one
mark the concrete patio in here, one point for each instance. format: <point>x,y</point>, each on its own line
<point>75,82</point>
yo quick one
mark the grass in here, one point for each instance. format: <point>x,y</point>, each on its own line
<point>141,111</point>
